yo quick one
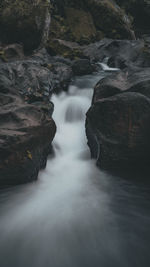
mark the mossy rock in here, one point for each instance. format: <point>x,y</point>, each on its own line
<point>81,25</point>
<point>76,26</point>
<point>22,21</point>
<point>111,19</point>
<point>58,28</point>
<point>64,48</point>
<point>86,17</point>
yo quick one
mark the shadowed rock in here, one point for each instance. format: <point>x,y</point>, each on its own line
<point>26,133</point>
<point>117,123</point>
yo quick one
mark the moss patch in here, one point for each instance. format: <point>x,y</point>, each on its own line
<point>66,49</point>
<point>81,25</point>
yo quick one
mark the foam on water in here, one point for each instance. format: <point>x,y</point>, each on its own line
<point>74,215</point>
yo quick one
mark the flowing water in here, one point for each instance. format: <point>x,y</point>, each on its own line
<point>75,215</point>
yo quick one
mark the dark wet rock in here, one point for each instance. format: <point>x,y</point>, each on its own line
<point>26,125</point>
<point>26,133</point>
<point>117,123</point>
<point>24,22</point>
<point>129,80</point>
<point>28,77</point>
<point>82,67</point>
<point>140,12</point>
<point>120,53</point>
<point>120,128</point>
<point>35,78</point>
<point>117,53</point>
<point>62,75</point>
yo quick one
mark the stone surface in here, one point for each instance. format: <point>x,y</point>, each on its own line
<point>26,133</point>
<point>66,49</point>
<point>82,67</point>
<point>87,21</point>
<point>117,123</point>
<point>140,11</point>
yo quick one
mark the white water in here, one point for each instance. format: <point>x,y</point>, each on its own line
<point>74,215</point>
<point>105,66</point>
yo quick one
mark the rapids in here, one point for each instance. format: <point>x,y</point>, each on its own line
<point>75,215</point>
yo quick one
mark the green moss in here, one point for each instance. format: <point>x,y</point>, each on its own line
<point>76,26</point>
<point>65,49</point>
<point>2,55</point>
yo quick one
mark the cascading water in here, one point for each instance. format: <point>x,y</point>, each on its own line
<point>74,215</point>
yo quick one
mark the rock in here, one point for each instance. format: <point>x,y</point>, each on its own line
<point>36,79</point>
<point>87,21</point>
<point>29,78</point>
<point>26,133</point>
<point>62,75</point>
<point>11,52</point>
<point>81,25</point>
<point>64,48</point>
<point>82,67</point>
<point>24,22</point>
<point>111,19</point>
<point>26,125</point>
<point>140,11</point>
<point>69,26</point>
<point>129,80</point>
<point>117,124</point>
<point>119,53</point>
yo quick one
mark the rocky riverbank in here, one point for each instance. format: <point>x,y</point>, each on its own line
<point>118,121</point>
<point>43,45</point>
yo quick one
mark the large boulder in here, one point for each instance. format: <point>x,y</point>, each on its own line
<point>37,77</point>
<point>77,25</point>
<point>87,21</point>
<point>26,133</point>
<point>24,22</point>
<point>119,53</point>
<point>117,123</point>
<point>82,67</point>
<point>26,125</point>
<point>111,19</point>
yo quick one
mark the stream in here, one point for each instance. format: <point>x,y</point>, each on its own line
<point>75,215</point>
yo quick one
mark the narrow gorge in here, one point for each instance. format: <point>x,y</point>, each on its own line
<point>74,133</point>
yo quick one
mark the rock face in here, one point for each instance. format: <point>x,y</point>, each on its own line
<point>119,53</point>
<point>32,23</point>
<point>82,67</point>
<point>140,11</point>
<point>84,22</point>
<point>26,125</point>
<point>24,22</point>
<point>109,17</point>
<point>118,121</point>
<point>81,25</point>
<point>26,133</point>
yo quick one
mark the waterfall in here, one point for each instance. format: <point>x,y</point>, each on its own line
<point>75,215</point>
